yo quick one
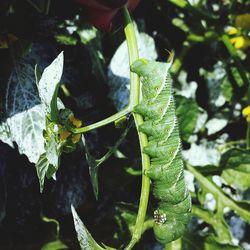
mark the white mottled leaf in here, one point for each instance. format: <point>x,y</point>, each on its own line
<point>24,112</point>
<point>52,152</point>
<point>201,155</point>
<point>118,71</point>
<point>45,169</point>
<point>84,237</point>
<point>42,167</point>
<point>5,134</point>
<point>50,78</point>
<point>215,124</point>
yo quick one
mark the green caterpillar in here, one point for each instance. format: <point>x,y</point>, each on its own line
<point>164,149</point>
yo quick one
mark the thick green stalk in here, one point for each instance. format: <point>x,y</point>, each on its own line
<point>104,122</point>
<point>134,100</point>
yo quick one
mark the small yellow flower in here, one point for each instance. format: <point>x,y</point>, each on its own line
<point>232,31</point>
<point>76,122</point>
<point>240,42</point>
<point>76,138</point>
<point>64,134</point>
<point>243,21</point>
<point>246,113</point>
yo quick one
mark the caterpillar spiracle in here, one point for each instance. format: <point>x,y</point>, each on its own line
<point>166,172</point>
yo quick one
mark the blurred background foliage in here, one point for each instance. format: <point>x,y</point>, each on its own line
<point>211,40</point>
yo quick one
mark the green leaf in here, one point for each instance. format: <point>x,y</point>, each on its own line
<point>93,168</point>
<point>54,245</point>
<point>66,39</point>
<point>24,112</point>
<point>216,220</point>
<point>187,112</point>
<point>85,239</point>
<point>42,167</point>
<point>236,168</point>
<point>91,38</point>
<point>125,215</point>
<point>226,89</point>
<point>54,114</point>
<point>210,242</point>
<point>48,162</point>
<point>95,163</point>
<point>224,200</point>
<point>48,83</point>
<point>236,76</point>
<point>213,243</point>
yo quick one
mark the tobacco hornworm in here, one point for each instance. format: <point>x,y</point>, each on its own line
<point>164,149</point>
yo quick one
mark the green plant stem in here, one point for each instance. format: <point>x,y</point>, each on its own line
<point>47,7</point>
<point>104,122</point>
<point>183,4</point>
<point>219,195</point>
<point>230,144</point>
<point>134,100</point>
<point>176,67</point>
<point>248,136</point>
<point>148,224</point>
<point>233,53</point>
<point>34,6</point>
<point>215,220</point>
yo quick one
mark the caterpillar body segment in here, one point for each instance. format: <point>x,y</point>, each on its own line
<point>164,149</point>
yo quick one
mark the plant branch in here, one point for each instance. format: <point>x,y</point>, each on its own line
<point>219,195</point>
<point>233,53</point>
<point>134,100</point>
<point>248,136</point>
<point>47,7</point>
<point>34,6</point>
<point>104,122</point>
<point>183,4</point>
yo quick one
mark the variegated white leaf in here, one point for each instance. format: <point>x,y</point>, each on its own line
<point>50,78</point>
<point>25,114</point>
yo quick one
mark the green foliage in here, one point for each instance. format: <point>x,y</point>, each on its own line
<point>210,85</point>
<point>236,168</point>
<point>54,245</point>
<point>94,164</point>
<point>25,115</point>
<point>84,237</point>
